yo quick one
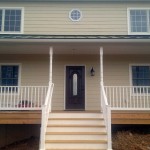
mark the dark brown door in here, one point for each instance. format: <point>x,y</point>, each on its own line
<point>75,87</point>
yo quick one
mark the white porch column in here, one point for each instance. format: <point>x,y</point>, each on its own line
<point>101,66</point>
<point>50,64</point>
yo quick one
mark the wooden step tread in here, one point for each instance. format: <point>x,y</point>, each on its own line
<point>77,141</point>
<point>73,125</point>
<point>75,118</point>
<point>76,133</point>
<point>76,149</point>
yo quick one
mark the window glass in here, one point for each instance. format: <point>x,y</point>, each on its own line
<point>75,84</point>
<point>9,75</point>
<point>75,15</point>
<point>141,75</point>
<point>139,21</point>
<point>12,20</point>
<point>0,20</point>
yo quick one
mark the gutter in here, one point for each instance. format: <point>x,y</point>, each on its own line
<point>76,40</point>
<point>75,1</point>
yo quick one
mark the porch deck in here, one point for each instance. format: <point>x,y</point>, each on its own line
<point>34,117</point>
<point>130,117</point>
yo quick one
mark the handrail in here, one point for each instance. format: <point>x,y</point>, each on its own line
<point>46,109</point>
<point>107,116</point>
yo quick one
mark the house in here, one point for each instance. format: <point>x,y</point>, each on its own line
<point>82,65</point>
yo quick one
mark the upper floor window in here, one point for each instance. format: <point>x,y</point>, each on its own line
<point>11,20</point>
<point>75,14</point>
<point>139,21</point>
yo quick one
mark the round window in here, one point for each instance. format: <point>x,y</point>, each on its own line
<point>75,15</point>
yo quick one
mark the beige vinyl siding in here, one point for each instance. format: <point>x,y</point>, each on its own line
<point>117,68</point>
<point>99,18</point>
<point>92,89</point>
<point>34,68</point>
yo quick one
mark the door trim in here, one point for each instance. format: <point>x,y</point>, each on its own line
<point>65,83</point>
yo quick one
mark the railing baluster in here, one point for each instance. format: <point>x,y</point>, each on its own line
<point>113,96</point>
<point>127,96</point>
<point>145,89</point>
<point>147,97</point>
<point>38,97</point>
<point>119,90</point>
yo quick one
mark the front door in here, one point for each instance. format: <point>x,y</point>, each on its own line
<point>75,87</point>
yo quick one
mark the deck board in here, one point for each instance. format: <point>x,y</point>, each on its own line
<point>34,117</point>
<point>20,117</point>
<point>130,117</point>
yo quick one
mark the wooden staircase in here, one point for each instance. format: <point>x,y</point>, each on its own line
<point>76,131</point>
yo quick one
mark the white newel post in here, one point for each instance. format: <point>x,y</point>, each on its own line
<point>108,112</point>
<point>50,64</point>
<point>45,107</point>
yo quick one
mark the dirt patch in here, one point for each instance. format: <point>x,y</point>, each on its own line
<point>28,144</point>
<point>127,140</point>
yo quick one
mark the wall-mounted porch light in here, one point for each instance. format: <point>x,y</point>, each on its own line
<point>92,72</point>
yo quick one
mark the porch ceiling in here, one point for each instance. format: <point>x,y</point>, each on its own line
<point>74,47</point>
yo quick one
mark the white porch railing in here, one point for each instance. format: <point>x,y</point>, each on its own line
<point>107,116</point>
<point>128,97</point>
<point>22,97</point>
<point>46,109</point>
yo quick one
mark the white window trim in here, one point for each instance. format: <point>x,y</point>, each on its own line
<point>128,21</point>
<point>22,21</point>
<point>130,78</point>
<point>130,70</point>
<point>80,14</point>
<point>19,72</point>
